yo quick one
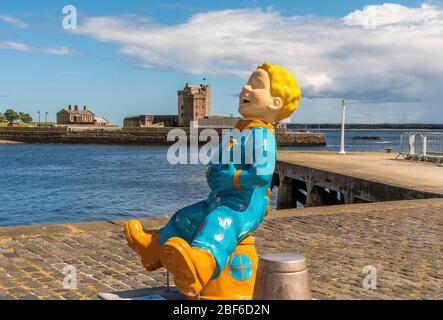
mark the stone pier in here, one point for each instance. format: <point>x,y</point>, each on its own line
<point>324,178</point>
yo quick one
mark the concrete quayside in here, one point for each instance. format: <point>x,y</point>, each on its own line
<point>326,178</point>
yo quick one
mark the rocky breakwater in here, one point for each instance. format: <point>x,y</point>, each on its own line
<point>138,136</point>
<point>33,134</point>
<point>299,139</point>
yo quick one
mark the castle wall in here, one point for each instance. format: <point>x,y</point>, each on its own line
<point>139,136</point>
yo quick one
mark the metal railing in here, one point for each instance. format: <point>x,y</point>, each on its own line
<point>421,146</point>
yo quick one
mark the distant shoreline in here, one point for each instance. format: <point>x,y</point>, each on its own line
<point>369,129</point>
<point>362,126</point>
<point>9,142</point>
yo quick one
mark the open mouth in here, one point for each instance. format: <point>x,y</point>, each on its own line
<point>245,100</point>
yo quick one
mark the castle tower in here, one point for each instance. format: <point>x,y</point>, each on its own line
<point>194,102</point>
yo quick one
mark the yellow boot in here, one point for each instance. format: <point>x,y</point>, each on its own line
<point>192,267</point>
<point>146,244</point>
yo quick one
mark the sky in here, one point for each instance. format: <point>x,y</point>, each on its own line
<point>130,57</point>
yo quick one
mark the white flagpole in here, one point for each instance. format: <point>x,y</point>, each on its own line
<point>342,138</point>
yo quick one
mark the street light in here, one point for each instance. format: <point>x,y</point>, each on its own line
<point>342,138</point>
<point>38,118</point>
<point>46,118</point>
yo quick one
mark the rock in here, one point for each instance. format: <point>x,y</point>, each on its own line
<point>366,138</point>
<point>9,142</point>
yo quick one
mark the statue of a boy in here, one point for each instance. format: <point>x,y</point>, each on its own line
<point>198,240</point>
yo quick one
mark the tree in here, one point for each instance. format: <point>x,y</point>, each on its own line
<point>2,118</point>
<point>25,117</point>
<point>10,115</point>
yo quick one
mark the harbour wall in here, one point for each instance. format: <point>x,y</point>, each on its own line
<point>134,136</point>
<point>323,179</point>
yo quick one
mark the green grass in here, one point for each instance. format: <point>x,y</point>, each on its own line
<point>42,123</point>
<point>32,124</point>
<point>5,124</point>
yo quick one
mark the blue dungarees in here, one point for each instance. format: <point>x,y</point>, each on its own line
<point>239,194</point>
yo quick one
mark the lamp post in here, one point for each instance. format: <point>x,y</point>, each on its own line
<point>46,118</point>
<point>342,138</point>
<point>38,118</point>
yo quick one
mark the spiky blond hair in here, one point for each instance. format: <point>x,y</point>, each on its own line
<point>285,86</point>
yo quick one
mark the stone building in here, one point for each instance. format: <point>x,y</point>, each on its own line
<point>100,121</point>
<point>145,121</point>
<point>75,116</point>
<point>194,103</point>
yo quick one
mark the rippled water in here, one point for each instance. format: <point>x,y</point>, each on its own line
<point>389,139</point>
<point>61,183</point>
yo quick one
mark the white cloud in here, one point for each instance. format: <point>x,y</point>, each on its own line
<point>24,47</point>
<point>398,59</point>
<point>374,16</point>
<point>19,46</point>
<point>15,22</point>
<point>12,45</point>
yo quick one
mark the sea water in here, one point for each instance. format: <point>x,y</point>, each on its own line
<point>67,183</point>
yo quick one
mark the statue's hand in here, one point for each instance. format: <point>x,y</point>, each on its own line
<point>220,177</point>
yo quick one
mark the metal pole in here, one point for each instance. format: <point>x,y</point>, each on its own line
<point>38,118</point>
<point>411,143</point>
<point>46,118</point>
<point>425,145</point>
<point>342,138</point>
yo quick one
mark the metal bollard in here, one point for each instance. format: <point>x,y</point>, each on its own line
<point>282,276</point>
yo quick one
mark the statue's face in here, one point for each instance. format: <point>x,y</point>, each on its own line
<point>256,101</point>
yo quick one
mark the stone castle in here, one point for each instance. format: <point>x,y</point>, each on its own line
<point>194,103</point>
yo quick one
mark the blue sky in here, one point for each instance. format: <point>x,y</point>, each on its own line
<point>130,57</point>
